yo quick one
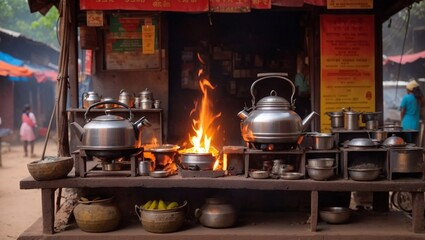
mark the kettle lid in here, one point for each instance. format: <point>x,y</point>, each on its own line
<point>108,117</point>
<point>274,101</point>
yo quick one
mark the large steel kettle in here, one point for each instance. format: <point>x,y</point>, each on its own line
<point>109,132</point>
<point>272,120</point>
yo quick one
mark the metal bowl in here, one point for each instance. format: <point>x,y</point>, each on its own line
<point>364,174</point>
<point>159,174</point>
<point>259,174</point>
<point>361,143</point>
<point>335,215</point>
<point>291,175</point>
<point>201,161</point>
<point>50,168</point>
<point>321,162</point>
<point>320,174</point>
<point>111,166</point>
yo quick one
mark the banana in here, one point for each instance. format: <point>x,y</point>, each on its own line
<point>172,205</point>
<point>161,205</point>
<point>147,204</point>
<point>154,205</point>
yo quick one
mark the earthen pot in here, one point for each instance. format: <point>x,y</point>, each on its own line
<point>97,214</point>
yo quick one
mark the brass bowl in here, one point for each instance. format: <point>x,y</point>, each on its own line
<point>162,221</point>
<point>50,168</point>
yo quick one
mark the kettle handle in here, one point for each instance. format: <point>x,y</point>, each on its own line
<point>108,102</point>
<point>263,76</point>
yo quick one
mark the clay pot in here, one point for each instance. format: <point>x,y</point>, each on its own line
<point>97,215</point>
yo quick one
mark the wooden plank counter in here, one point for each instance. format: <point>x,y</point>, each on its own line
<point>415,187</point>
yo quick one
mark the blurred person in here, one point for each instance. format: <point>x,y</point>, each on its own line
<point>410,108</point>
<point>27,130</point>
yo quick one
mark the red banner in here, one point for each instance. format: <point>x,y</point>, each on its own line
<point>147,5</point>
<point>230,6</point>
<point>236,6</point>
<point>261,4</point>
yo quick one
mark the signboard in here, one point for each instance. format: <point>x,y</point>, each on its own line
<point>147,5</point>
<point>350,4</point>
<point>230,6</point>
<point>347,74</point>
<point>132,42</point>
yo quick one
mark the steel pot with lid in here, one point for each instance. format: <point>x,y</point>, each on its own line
<point>337,119</point>
<point>109,132</point>
<point>126,97</point>
<point>90,98</point>
<point>272,119</point>
<point>351,120</point>
<point>146,95</point>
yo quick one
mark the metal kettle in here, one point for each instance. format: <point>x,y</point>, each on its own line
<point>89,98</point>
<point>272,119</point>
<point>216,213</point>
<point>109,132</point>
<point>126,98</point>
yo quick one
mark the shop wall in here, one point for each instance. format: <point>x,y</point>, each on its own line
<point>234,48</point>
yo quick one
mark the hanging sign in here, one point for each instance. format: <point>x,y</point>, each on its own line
<point>94,19</point>
<point>230,6</point>
<point>148,39</point>
<point>350,4</point>
<point>131,42</point>
<point>261,4</point>
<point>146,5</point>
<point>347,60</point>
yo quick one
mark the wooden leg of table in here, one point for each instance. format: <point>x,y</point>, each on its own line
<point>314,210</point>
<point>417,211</point>
<point>380,201</point>
<point>48,209</point>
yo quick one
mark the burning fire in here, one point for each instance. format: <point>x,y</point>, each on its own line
<point>203,126</point>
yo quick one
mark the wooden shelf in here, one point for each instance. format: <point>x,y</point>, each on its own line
<point>228,182</point>
<point>252,225</point>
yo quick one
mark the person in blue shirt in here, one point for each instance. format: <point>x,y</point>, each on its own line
<point>410,106</point>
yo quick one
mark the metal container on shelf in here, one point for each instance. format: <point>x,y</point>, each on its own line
<point>351,120</point>
<point>90,98</point>
<point>337,119</point>
<point>406,160</point>
<point>126,98</point>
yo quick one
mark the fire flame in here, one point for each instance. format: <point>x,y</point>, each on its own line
<point>203,127</point>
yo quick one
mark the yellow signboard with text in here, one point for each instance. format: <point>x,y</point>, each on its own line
<point>347,74</point>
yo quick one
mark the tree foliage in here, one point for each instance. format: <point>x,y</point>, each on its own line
<point>15,15</point>
<point>398,30</point>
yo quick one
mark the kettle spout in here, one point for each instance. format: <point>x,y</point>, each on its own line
<point>78,130</point>
<point>243,114</point>
<point>140,124</point>
<point>307,120</point>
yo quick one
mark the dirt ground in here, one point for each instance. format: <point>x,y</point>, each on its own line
<point>19,209</point>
